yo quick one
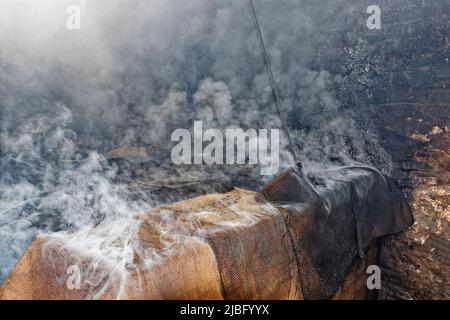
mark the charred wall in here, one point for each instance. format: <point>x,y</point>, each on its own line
<point>401,74</point>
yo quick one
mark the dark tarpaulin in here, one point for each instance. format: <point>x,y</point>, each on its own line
<point>332,215</point>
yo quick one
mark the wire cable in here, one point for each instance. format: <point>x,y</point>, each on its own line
<point>272,83</point>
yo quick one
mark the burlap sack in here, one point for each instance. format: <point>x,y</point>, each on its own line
<point>248,240</point>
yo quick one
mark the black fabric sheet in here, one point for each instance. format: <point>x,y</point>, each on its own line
<point>332,215</point>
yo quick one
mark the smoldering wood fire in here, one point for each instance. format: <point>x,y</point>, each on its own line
<point>92,205</point>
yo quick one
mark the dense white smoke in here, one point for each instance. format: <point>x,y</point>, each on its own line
<point>134,72</point>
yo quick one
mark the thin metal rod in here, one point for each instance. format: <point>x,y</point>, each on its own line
<point>272,83</point>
